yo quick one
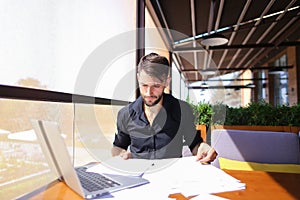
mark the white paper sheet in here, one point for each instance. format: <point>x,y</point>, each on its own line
<point>208,197</point>
<point>183,175</point>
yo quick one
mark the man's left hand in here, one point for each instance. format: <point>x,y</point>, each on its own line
<point>206,153</point>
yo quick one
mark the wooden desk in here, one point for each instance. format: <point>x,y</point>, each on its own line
<point>264,185</point>
<point>259,185</point>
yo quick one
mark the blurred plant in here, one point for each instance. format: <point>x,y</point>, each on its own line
<point>263,114</point>
<point>258,113</point>
<point>220,111</point>
<point>203,113</point>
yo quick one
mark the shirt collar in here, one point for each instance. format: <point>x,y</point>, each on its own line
<point>136,108</point>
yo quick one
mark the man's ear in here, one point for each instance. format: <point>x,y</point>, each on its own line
<point>168,81</point>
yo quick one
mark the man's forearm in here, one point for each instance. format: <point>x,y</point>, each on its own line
<point>195,149</point>
<point>115,151</point>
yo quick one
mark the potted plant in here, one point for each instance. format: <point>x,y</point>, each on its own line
<point>262,116</point>
<point>203,113</point>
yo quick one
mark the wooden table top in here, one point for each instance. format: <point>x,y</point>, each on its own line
<point>259,185</point>
<point>265,185</point>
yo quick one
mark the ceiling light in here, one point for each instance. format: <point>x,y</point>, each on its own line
<point>250,85</point>
<point>204,85</point>
<point>215,39</point>
<point>207,72</point>
<point>275,70</point>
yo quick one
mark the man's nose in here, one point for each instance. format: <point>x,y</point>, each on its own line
<point>149,90</point>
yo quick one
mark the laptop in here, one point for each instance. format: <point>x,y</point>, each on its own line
<point>86,184</point>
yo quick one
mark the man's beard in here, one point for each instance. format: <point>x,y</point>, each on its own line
<point>154,102</point>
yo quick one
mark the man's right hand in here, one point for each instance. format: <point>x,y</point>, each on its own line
<point>125,155</point>
<point>117,151</point>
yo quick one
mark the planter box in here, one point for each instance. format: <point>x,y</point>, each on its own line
<point>202,129</point>
<point>292,129</point>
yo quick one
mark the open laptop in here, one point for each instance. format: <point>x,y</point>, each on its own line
<point>86,184</point>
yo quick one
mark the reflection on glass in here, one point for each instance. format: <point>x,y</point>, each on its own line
<point>23,167</point>
<point>95,129</point>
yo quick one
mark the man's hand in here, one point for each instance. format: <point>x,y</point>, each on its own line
<point>117,151</point>
<point>206,153</point>
<point>125,155</point>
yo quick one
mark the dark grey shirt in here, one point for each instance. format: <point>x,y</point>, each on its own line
<point>171,129</point>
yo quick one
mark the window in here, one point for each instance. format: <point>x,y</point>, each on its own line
<point>261,85</point>
<point>45,45</point>
<point>23,164</point>
<point>281,83</point>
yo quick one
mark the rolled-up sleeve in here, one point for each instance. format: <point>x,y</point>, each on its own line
<point>122,138</point>
<point>192,137</point>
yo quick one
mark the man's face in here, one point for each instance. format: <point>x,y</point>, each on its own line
<point>151,88</point>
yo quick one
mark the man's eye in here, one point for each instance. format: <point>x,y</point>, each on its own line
<point>156,86</point>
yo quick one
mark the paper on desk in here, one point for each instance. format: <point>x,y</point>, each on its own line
<point>208,197</point>
<point>192,178</point>
<point>184,175</point>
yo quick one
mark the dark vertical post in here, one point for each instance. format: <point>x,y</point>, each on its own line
<point>256,92</point>
<point>170,61</point>
<point>271,89</point>
<point>140,35</point>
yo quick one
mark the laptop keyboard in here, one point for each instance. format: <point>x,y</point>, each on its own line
<point>94,181</point>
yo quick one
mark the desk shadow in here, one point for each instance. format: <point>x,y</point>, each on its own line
<point>290,182</point>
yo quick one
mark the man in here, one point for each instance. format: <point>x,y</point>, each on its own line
<point>157,125</point>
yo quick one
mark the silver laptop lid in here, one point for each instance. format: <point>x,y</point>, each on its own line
<point>55,150</point>
<point>54,147</point>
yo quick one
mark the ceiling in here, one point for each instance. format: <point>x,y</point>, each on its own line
<point>256,30</point>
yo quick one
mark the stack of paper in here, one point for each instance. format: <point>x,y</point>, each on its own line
<point>168,176</point>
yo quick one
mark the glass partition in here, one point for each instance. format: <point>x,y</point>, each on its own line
<point>24,167</point>
<point>45,45</point>
<point>95,127</point>
<point>88,137</point>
